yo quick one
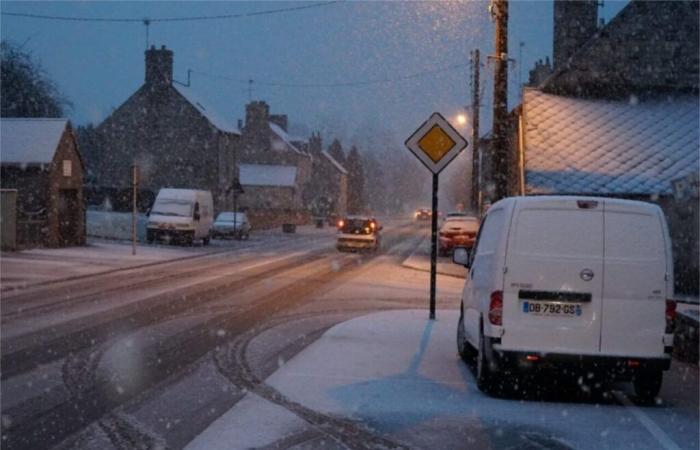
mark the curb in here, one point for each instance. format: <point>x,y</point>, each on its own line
<point>415,254</point>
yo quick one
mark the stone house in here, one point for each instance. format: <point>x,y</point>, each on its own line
<point>328,187</point>
<point>41,163</point>
<point>175,137</point>
<point>618,115</point>
<point>274,172</point>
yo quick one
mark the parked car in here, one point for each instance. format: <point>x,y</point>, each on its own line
<point>458,230</point>
<point>182,215</point>
<point>231,224</point>
<point>569,283</point>
<point>422,214</point>
<point>358,233</point>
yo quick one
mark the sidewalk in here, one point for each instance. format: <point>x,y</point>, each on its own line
<point>398,375</point>
<point>420,260</point>
<point>42,265</point>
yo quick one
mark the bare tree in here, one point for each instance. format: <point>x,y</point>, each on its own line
<point>27,91</point>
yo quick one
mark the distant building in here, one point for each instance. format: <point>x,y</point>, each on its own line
<point>274,172</point>
<point>175,137</point>
<point>40,161</point>
<point>328,188</point>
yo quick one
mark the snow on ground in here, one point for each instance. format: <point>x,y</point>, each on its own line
<point>398,373</point>
<point>40,265</point>
<point>420,260</point>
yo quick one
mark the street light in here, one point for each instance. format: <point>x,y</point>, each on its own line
<point>462,119</point>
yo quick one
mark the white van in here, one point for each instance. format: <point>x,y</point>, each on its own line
<point>184,215</point>
<point>561,282</point>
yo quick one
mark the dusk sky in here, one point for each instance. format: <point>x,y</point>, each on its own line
<point>98,65</point>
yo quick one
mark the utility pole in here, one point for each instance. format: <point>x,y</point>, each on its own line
<point>476,160</point>
<point>500,149</point>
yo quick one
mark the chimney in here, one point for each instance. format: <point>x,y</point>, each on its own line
<point>258,113</point>
<point>575,22</point>
<point>159,66</point>
<point>315,144</point>
<point>280,120</point>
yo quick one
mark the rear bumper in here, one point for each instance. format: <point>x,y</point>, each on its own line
<point>618,366</point>
<point>449,243</point>
<point>358,244</point>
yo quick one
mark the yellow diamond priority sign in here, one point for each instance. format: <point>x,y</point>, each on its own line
<point>436,143</point>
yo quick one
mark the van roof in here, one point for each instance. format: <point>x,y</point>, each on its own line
<point>544,199</point>
<point>179,194</point>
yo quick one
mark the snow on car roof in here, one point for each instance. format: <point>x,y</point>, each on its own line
<point>216,119</point>
<point>268,175</point>
<point>577,146</point>
<point>30,141</point>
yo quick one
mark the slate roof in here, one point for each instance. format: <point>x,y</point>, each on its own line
<point>575,146</point>
<point>210,113</point>
<point>267,175</point>
<point>282,135</point>
<point>335,163</point>
<point>30,141</point>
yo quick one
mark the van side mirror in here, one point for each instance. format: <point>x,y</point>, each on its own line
<point>196,216</point>
<point>148,212</point>
<point>461,256</point>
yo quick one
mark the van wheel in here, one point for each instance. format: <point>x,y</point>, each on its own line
<point>464,348</point>
<point>485,376</point>
<point>647,385</point>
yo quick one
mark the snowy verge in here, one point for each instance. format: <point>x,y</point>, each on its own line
<point>420,260</point>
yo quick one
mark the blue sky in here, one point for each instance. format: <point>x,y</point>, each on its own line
<point>98,65</point>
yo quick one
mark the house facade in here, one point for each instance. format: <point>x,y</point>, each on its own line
<point>41,164</point>
<point>175,138</point>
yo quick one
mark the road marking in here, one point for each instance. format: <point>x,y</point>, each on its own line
<point>651,426</point>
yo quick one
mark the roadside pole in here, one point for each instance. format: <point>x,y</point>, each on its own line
<point>435,143</point>
<point>433,246</point>
<point>134,212</point>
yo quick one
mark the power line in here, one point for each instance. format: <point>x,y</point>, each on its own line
<point>171,19</point>
<point>337,84</point>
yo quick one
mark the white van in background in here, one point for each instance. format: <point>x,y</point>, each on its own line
<point>561,282</point>
<point>184,215</point>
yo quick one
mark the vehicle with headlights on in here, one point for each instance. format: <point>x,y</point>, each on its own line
<point>358,233</point>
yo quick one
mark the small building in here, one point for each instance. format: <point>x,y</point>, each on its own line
<point>41,161</point>
<point>327,190</point>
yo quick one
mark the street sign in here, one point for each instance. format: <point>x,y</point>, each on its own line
<point>436,143</point>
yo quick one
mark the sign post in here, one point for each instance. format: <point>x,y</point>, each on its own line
<point>435,143</point>
<point>134,211</point>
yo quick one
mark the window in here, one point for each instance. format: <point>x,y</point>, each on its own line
<point>67,168</point>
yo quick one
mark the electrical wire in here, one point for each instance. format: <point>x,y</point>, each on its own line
<point>337,84</point>
<point>171,19</point>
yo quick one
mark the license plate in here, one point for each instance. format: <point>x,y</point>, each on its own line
<point>551,308</point>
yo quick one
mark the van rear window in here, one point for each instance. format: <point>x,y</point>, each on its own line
<point>554,232</point>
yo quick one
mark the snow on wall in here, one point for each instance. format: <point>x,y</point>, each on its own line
<point>267,175</point>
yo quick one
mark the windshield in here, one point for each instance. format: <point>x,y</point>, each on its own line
<point>230,216</point>
<point>349,224</point>
<point>172,207</point>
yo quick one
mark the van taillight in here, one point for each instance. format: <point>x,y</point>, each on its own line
<point>496,308</point>
<point>670,315</point>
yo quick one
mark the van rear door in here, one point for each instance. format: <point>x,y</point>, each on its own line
<point>554,276</point>
<point>634,295</point>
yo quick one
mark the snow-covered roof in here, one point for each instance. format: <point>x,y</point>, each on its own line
<point>217,120</point>
<point>337,165</point>
<point>284,137</point>
<point>608,147</point>
<point>30,141</point>
<point>267,175</point>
